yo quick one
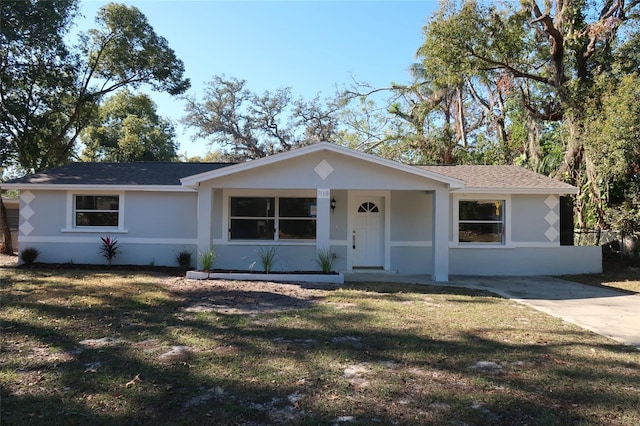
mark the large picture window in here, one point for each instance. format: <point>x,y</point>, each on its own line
<point>481,221</point>
<point>272,218</point>
<point>96,210</point>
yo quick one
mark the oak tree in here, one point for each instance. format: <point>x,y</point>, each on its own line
<point>247,125</point>
<point>128,128</point>
<point>51,92</point>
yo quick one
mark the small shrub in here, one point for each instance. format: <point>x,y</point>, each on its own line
<point>326,260</point>
<point>29,255</point>
<point>207,259</point>
<point>268,258</point>
<point>109,248</point>
<point>184,259</point>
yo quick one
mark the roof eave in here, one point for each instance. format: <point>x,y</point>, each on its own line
<point>541,191</point>
<point>84,187</point>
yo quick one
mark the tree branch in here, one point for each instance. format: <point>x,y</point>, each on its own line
<point>556,42</point>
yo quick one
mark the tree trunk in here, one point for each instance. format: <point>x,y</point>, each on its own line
<point>570,170</point>
<point>462,128</point>
<point>533,143</point>
<point>7,247</point>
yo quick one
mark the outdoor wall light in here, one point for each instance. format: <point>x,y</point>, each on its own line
<point>333,204</point>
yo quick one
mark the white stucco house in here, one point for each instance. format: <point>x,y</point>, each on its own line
<point>372,213</point>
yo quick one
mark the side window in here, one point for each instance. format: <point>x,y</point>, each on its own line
<point>481,221</point>
<point>96,210</point>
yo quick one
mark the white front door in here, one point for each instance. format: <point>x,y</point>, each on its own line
<point>367,235</point>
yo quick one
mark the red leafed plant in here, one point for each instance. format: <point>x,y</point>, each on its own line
<point>109,248</point>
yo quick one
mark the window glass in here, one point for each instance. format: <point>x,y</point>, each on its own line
<point>97,210</point>
<point>96,219</point>
<point>480,233</point>
<point>292,229</point>
<point>97,202</point>
<point>297,207</point>
<point>368,208</point>
<point>252,207</point>
<point>252,229</point>
<point>481,210</point>
<point>481,221</point>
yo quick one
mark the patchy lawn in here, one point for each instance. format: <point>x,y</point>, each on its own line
<point>617,274</point>
<point>89,347</point>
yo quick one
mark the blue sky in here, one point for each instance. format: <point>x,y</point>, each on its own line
<point>310,46</point>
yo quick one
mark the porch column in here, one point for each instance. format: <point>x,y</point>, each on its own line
<point>205,199</point>
<point>323,219</point>
<point>440,246</point>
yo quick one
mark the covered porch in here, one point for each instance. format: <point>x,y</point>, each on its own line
<point>393,219</point>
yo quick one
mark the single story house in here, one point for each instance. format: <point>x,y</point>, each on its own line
<point>370,212</point>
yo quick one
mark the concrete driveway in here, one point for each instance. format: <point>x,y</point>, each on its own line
<point>608,312</point>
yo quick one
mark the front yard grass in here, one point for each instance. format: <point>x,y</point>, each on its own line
<point>86,347</point>
<point>621,275</point>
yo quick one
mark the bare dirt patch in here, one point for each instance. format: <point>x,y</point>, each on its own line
<point>8,261</point>
<point>241,297</point>
<point>220,296</point>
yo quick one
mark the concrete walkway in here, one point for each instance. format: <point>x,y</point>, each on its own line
<point>608,312</point>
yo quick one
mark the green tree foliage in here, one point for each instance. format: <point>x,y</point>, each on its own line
<point>532,83</point>
<point>613,144</point>
<point>50,92</point>
<point>209,157</point>
<point>128,128</point>
<point>37,77</point>
<point>36,72</point>
<point>248,125</point>
<point>560,58</point>
<point>366,126</point>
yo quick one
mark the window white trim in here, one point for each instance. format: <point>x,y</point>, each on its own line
<point>71,211</point>
<point>472,197</point>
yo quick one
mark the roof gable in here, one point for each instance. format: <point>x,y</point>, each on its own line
<point>193,181</point>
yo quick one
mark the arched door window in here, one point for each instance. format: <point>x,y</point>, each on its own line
<point>368,207</point>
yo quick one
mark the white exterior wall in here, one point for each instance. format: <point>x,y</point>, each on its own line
<point>348,174</point>
<point>532,242</point>
<point>528,223</point>
<point>560,260</point>
<point>411,232</point>
<point>247,257</point>
<point>156,226</point>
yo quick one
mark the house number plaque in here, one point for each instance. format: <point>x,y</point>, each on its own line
<point>323,193</point>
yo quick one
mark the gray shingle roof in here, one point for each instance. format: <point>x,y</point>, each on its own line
<point>138,173</point>
<point>170,173</point>
<point>499,177</point>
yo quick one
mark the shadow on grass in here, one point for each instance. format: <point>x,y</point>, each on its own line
<point>405,356</point>
<point>399,288</point>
